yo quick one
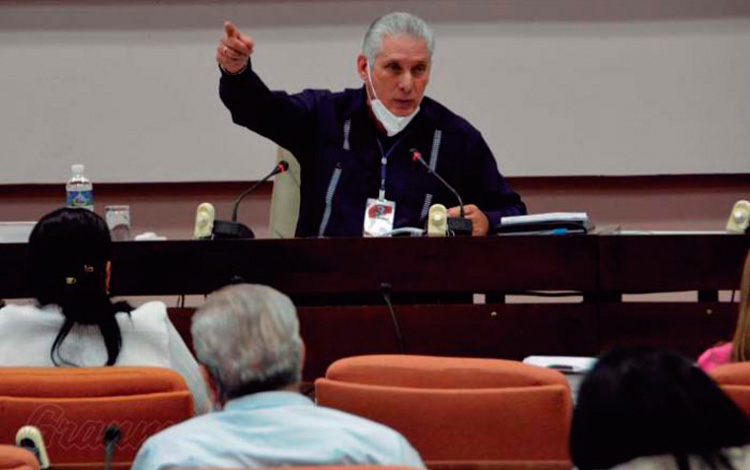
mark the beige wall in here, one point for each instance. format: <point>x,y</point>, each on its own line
<point>557,87</point>
<point>635,203</point>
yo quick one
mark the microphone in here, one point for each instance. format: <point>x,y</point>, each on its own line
<point>459,225</point>
<point>739,218</point>
<point>112,436</point>
<point>437,221</point>
<point>30,438</point>
<point>234,229</point>
<point>204,221</point>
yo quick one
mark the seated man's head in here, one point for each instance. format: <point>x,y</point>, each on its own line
<point>247,336</point>
<point>395,61</point>
<point>639,402</point>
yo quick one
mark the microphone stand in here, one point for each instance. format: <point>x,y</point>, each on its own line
<point>233,229</point>
<point>458,225</point>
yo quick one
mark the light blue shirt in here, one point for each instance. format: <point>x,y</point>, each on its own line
<point>272,429</point>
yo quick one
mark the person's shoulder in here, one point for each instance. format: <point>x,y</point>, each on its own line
<point>384,444</point>
<point>195,428</point>
<point>29,312</point>
<point>444,118</point>
<point>18,309</point>
<point>13,314</point>
<point>152,308</point>
<point>151,314</point>
<point>162,449</point>
<point>715,356</point>
<point>185,429</point>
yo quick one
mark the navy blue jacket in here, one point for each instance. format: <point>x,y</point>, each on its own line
<point>334,137</point>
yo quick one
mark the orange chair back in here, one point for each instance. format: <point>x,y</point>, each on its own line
<point>457,409</point>
<point>501,465</point>
<point>73,406</point>
<point>734,379</point>
<point>15,458</point>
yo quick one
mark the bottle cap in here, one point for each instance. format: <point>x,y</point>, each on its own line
<point>77,168</point>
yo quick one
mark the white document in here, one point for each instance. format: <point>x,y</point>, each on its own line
<point>546,217</point>
<point>565,364</point>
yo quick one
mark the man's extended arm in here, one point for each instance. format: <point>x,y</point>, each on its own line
<point>284,119</point>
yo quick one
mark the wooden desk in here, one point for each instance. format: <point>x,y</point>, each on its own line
<point>668,263</point>
<point>336,283</point>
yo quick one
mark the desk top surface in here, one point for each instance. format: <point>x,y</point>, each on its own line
<point>626,263</point>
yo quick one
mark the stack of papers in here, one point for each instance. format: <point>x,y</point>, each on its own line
<point>554,223</point>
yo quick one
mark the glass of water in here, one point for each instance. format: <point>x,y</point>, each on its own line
<point>118,221</point>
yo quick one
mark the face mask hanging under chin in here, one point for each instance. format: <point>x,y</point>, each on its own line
<point>393,124</point>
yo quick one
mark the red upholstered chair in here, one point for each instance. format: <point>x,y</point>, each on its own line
<point>73,406</point>
<point>15,458</point>
<point>734,379</point>
<point>456,410</point>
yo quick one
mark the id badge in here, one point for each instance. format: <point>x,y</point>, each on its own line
<point>379,215</point>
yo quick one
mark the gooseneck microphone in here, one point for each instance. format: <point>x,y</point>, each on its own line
<point>280,168</point>
<point>112,436</point>
<point>416,156</point>
<point>234,229</point>
<point>459,225</point>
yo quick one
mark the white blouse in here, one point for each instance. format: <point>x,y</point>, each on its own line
<point>149,338</point>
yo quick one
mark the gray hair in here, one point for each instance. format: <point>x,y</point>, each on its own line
<point>248,337</point>
<point>395,24</point>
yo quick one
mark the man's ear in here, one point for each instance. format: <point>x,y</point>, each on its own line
<point>362,67</point>
<point>212,386</point>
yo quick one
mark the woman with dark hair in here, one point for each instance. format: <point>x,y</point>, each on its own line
<point>651,408</point>
<point>739,349</point>
<point>74,321</point>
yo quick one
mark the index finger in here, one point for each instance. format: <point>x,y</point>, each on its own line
<point>230,29</point>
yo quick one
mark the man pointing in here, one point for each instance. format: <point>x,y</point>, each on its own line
<point>355,147</point>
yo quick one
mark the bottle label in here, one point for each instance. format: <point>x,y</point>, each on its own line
<point>82,199</point>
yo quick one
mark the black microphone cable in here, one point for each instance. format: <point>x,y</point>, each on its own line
<point>112,436</point>
<point>385,291</point>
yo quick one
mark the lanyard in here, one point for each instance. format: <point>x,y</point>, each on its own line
<point>383,164</point>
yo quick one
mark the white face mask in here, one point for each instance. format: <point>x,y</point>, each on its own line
<point>393,124</point>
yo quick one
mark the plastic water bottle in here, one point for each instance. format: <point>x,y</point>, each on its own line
<point>79,188</point>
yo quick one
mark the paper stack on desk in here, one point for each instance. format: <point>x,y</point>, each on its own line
<point>551,223</point>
